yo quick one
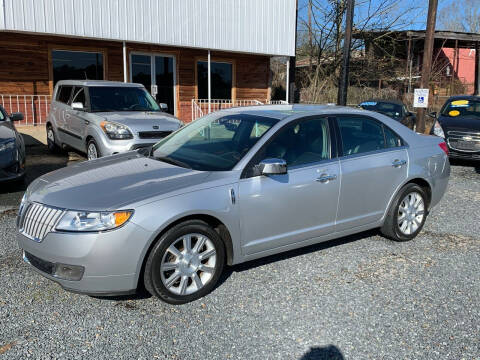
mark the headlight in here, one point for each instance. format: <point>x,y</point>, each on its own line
<point>116,131</point>
<point>93,221</point>
<point>437,130</point>
<point>7,145</point>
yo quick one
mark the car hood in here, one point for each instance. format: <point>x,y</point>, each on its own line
<point>143,119</point>
<point>113,182</point>
<point>6,132</point>
<point>460,123</point>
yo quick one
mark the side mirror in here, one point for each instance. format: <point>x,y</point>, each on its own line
<point>163,106</point>
<point>16,116</point>
<point>433,114</point>
<point>273,167</point>
<point>77,106</point>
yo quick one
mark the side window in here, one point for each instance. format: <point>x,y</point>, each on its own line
<point>79,96</point>
<point>360,134</point>
<point>392,139</point>
<point>2,114</point>
<point>63,94</point>
<point>300,143</point>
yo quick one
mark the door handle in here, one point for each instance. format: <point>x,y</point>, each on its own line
<point>67,115</point>
<point>398,163</point>
<point>324,178</point>
<point>86,122</point>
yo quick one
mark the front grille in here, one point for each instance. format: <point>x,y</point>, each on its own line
<point>153,134</point>
<point>463,141</point>
<point>42,265</point>
<point>39,220</point>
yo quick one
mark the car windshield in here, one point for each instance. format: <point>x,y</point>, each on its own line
<point>390,109</point>
<point>214,142</point>
<point>462,108</point>
<point>111,98</point>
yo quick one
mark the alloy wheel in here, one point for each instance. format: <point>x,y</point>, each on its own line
<point>92,151</point>
<point>50,135</point>
<point>411,213</point>
<point>188,264</point>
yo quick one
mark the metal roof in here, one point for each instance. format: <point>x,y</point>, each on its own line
<point>249,26</point>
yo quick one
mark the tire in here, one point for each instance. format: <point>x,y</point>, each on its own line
<point>92,150</point>
<point>183,279</point>
<point>52,141</point>
<point>411,205</point>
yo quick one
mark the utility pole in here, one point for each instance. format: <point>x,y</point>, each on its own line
<point>347,42</point>
<point>310,40</point>
<point>427,59</point>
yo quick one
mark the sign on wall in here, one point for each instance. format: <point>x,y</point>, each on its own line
<point>420,98</point>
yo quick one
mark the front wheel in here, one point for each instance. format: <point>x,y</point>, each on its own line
<point>407,214</point>
<point>185,263</point>
<point>92,150</point>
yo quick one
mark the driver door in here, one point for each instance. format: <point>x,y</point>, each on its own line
<point>281,210</point>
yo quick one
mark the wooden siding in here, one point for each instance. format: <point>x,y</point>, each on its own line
<point>25,66</point>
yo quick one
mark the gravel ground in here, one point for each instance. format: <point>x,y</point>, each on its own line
<point>359,297</point>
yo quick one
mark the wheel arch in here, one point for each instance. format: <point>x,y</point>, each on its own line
<point>211,220</point>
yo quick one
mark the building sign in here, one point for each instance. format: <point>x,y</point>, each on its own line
<point>420,98</point>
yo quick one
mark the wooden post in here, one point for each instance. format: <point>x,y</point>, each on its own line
<point>347,42</point>
<point>477,69</point>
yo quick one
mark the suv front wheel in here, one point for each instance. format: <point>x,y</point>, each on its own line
<point>92,150</point>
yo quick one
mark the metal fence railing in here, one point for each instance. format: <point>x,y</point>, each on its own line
<point>34,108</point>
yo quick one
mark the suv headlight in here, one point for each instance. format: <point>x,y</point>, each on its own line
<point>115,131</point>
<point>7,145</point>
<point>93,221</point>
<point>437,130</point>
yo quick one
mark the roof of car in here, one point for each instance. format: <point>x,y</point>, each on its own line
<point>97,83</point>
<point>464,97</point>
<point>281,112</point>
<point>398,102</point>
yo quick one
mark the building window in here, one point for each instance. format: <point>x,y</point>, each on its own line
<point>76,65</point>
<point>221,82</point>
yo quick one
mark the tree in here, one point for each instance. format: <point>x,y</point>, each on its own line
<point>461,16</point>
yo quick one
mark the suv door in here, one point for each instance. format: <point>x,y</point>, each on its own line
<point>77,124</point>
<point>59,109</point>
<point>373,165</point>
<point>281,210</point>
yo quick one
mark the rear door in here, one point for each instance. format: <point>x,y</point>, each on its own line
<point>60,108</point>
<point>281,210</point>
<point>374,163</point>
<point>77,123</point>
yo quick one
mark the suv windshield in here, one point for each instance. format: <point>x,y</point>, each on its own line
<point>462,107</point>
<point>214,142</point>
<point>386,108</point>
<point>111,98</point>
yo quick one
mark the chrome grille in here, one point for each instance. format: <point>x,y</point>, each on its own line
<point>463,141</point>
<point>39,220</point>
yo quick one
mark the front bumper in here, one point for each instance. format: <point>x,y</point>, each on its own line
<point>453,154</point>
<point>111,260</point>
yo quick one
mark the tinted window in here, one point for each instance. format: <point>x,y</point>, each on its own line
<point>124,98</point>
<point>387,108</point>
<point>300,143</point>
<point>221,82</point>
<point>63,94</point>
<point>360,134</point>
<point>392,140</point>
<point>2,114</point>
<point>212,143</point>
<point>79,96</point>
<point>76,65</point>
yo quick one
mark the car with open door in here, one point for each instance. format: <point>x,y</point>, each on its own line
<point>103,118</point>
<point>233,186</point>
<point>395,109</point>
<point>458,122</point>
<point>12,148</point>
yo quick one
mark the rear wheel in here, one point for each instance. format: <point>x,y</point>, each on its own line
<point>92,150</point>
<point>185,263</point>
<point>407,214</point>
<point>51,140</point>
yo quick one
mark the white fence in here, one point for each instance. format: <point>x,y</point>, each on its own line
<point>34,108</point>
<point>201,107</point>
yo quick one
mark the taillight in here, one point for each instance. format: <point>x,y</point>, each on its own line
<point>444,147</point>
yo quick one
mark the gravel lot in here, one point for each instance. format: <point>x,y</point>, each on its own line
<point>360,297</point>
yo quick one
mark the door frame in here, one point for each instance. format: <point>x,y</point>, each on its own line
<point>152,71</point>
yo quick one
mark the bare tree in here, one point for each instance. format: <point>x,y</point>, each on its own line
<point>463,16</point>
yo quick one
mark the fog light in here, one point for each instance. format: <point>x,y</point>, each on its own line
<point>68,272</point>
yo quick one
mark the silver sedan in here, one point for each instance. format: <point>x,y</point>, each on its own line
<point>233,186</point>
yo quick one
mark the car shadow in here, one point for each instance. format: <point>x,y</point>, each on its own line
<point>467,163</point>
<point>330,352</point>
<point>293,253</point>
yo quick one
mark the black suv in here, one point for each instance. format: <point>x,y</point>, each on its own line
<point>12,148</point>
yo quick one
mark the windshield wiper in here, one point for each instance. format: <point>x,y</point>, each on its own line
<point>169,160</point>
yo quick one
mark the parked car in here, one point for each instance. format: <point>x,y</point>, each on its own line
<point>459,124</point>
<point>233,186</point>
<point>392,108</point>
<point>105,117</point>
<point>12,148</point>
